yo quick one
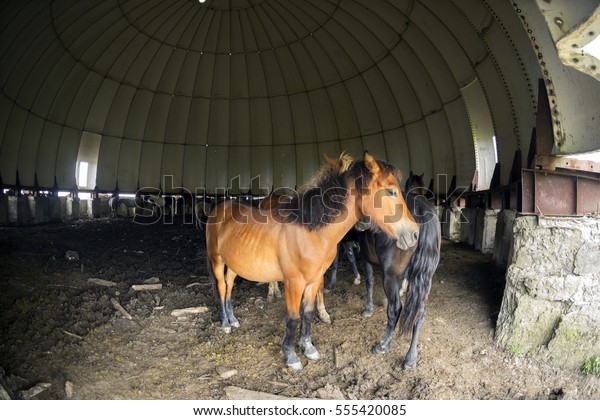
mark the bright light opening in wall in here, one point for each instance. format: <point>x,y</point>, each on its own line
<point>593,156</point>
<point>83,174</point>
<point>593,48</point>
<point>495,149</point>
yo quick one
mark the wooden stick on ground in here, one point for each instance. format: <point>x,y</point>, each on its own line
<point>189,311</point>
<point>236,393</point>
<point>119,308</point>
<point>139,287</point>
<point>70,334</point>
<point>102,282</point>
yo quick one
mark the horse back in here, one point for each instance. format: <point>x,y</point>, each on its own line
<point>245,239</point>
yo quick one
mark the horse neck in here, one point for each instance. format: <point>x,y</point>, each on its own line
<point>337,229</point>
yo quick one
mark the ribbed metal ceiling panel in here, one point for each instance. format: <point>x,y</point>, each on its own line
<point>262,88</point>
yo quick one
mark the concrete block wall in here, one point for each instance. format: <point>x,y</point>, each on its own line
<point>551,303</point>
<point>503,236</point>
<point>472,226</point>
<point>451,218</point>
<point>29,210</point>
<point>468,226</point>
<point>485,232</point>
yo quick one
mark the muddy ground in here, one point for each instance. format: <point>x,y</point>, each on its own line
<point>58,328</point>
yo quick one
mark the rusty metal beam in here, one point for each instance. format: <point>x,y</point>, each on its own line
<point>550,163</point>
<point>559,194</point>
<point>543,123</point>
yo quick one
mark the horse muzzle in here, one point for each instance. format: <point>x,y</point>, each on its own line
<point>407,240</point>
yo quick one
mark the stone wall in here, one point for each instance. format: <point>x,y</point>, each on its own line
<point>468,226</point>
<point>503,236</point>
<point>451,223</point>
<point>485,231</point>
<point>551,304</point>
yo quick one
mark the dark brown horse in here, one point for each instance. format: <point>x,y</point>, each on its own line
<point>415,184</point>
<point>296,242</point>
<point>411,268</point>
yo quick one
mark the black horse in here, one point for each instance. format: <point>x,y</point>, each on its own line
<point>414,266</point>
<point>346,247</point>
<point>415,184</point>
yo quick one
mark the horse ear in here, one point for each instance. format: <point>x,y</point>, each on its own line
<point>422,175</point>
<point>334,163</point>
<point>371,163</point>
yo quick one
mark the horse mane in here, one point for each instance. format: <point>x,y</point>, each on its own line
<point>320,201</point>
<point>363,176</point>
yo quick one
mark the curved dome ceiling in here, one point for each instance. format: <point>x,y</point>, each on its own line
<point>248,94</point>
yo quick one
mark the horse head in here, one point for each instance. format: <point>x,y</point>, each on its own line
<point>380,200</point>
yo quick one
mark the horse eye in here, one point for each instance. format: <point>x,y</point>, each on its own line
<point>393,193</point>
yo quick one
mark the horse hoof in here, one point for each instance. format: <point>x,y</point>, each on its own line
<point>324,317</point>
<point>293,362</point>
<point>379,349</point>
<point>295,366</point>
<point>235,324</point>
<point>367,313</point>
<point>312,353</point>
<point>226,330</point>
<point>409,366</point>
<point>357,280</point>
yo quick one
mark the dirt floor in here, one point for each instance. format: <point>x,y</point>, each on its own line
<point>58,328</point>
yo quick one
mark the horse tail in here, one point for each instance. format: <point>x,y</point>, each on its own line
<point>423,262</point>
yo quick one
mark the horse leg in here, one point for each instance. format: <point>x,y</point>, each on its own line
<point>410,361</point>
<point>229,281</point>
<point>216,268</point>
<point>391,287</point>
<point>321,311</point>
<point>334,268</point>
<point>274,291</point>
<point>308,306</point>
<point>369,280</point>
<point>293,296</point>
<point>348,247</point>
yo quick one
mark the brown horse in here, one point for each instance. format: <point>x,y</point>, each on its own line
<point>270,203</point>
<point>296,242</point>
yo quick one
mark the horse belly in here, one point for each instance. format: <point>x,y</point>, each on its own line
<point>255,266</point>
<point>249,248</point>
<point>251,252</point>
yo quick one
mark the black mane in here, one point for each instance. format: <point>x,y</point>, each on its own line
<point>319,204</point>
